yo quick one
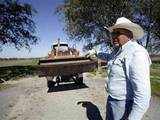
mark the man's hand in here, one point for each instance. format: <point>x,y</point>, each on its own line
<point>91,54</point>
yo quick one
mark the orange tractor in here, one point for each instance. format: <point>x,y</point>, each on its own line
<point>64,64</point>
<point>61,50</point>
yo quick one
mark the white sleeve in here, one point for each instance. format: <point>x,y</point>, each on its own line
<point>139,74</point>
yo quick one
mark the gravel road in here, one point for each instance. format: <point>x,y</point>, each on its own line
<point>30,99</point>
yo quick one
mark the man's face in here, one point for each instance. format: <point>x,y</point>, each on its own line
<point>119,37</point>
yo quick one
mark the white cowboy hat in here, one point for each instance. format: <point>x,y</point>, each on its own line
<point>127,24</point>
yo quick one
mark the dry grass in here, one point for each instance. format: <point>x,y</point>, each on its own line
<point>18,62</point>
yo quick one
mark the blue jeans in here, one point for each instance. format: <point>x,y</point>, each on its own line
<point>118,109</point>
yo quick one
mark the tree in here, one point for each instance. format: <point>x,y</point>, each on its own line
<point>85,19</point>
<point>147,14</point>
<point>16,25</point>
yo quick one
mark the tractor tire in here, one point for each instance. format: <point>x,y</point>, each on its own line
<point>50,82</point>
<point>79,79</point>
<point>58,80</point>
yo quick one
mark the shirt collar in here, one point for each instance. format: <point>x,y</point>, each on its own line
<point>126,44</point>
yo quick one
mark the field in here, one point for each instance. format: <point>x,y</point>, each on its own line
<point>155,78</point>
<point>17,68</point>
<point>18,62</point>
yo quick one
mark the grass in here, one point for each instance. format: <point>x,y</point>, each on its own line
<point>100,72</point>
<point>11,69</point>
<point>15,68</point>
<point>155,79</point>
<point>155,88</point>
<point>14,72</point>
<point>5,86</point>
<point>155,65</point>
<point>18,62</point>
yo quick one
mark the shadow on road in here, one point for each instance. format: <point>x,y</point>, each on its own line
<point>65,87</point>
<point>92,110</point>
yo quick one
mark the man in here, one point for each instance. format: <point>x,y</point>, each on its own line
<point>128,84</point>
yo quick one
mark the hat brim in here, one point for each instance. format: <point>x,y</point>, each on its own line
<point>134,28</point>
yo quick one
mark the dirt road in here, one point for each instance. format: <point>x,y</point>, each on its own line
<point>30,99</point>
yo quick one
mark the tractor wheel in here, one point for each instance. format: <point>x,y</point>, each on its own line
<point>58,80</point>
<point>50,82</point>
<point>79,79</point>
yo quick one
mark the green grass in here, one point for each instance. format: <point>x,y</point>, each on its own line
<point>14,72</point>
<point>93,72</point>
<point>19,62</point>
<point>155,86</point>
<point>155,65</point>
<point>14,69</point>
<point>155,79</point>
<point>5,86</point>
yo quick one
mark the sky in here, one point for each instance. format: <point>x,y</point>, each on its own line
<point>49,29</point>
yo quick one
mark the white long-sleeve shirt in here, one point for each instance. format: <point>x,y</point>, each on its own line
<point>129,77</point>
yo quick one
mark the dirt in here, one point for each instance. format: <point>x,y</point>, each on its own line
<point>30,99</point>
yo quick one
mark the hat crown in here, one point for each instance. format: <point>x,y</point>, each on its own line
<point>123,20</point>
<point>125,23</point>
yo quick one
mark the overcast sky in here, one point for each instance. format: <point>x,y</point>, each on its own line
<point>49,29</point>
